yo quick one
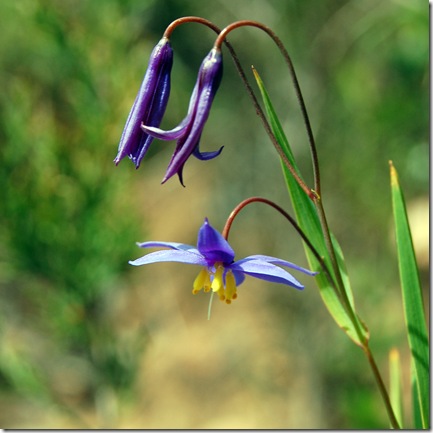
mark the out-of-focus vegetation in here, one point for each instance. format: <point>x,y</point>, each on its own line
<point>85,341</point>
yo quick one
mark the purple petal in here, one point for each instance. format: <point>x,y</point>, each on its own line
<point>213,246</point>
<point>150,102</point>
<point>266,271</point>
<point>154,119</point>
<point>179,130</point>
<point>172,245</point>
<point>208,81</point>
<point>187,257</point>
<point>279,262</point>
<point>239,277</point>
<point>138,154</point>
<point>205,156</point>
<point>173,134</point>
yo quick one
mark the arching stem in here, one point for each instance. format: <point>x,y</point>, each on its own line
<point>312,193</point>
<point>295,81</point>
<point>246,202</point>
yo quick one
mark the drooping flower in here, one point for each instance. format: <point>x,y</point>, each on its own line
<point>220,273</point>
<point>149,105</point>
<point>189,131</point>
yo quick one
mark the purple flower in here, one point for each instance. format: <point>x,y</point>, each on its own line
<point>149,105</point>
<point>189,131</point>
<point>220,272</point>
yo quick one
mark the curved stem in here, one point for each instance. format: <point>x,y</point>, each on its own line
<point>341,293</point>
<point>314,194</point>
<point>288,60</point>
<point>311,193</point>
<point>190,19</point>
<point>244,203</point>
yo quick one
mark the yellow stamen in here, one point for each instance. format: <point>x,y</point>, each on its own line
<point>217,283</point>
<point>208,280</point>
<point>202,281</point>
<point>230,287</point>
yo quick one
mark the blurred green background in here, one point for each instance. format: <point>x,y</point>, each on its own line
<point>88,341</point>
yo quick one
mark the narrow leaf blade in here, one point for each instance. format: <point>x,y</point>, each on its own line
<point>412,299</point>
<point>395,385</point>
<point>308,220</point>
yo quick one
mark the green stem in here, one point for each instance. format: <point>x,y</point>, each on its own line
<point>347,305</point>
<point>382,388</point>
<point>315,194</point>
<point>330,248</point>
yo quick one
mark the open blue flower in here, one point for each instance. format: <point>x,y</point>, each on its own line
<point>189,131</point>
<point>149,105</point>
<point>220,272</point>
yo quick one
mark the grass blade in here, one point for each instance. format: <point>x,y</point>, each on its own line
<point>308,220</point>
<point>395,385</point>
<point>412,301</point>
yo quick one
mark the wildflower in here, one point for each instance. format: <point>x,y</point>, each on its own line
<point>220,272</point>
<point>149,105</point>
<point>189,131</point>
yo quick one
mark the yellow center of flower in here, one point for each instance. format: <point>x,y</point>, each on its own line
<point>210,278</point>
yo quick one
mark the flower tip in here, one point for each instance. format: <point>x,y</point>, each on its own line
<point>168,177</point>
<point>117,160</point>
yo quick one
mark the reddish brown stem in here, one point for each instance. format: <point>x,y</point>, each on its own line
<point>313,194</point>
<point>304,237</point>
<point>313,150</point>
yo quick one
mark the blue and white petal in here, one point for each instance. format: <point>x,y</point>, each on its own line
<point>266,271</point>
<point>277,261</point>
<point>188,257</point>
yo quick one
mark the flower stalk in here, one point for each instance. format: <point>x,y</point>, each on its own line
<point>220,273</point>
<point>315,191</point>
<point>246,202</point>
<point>315,195</point>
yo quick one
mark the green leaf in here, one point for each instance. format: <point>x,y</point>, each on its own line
<point>309,222</point>
<point>395,385</point>
<point>412,301</point>
<point>416,410</point>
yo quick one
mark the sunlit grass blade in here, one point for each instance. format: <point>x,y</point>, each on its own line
<point>416,410</point>
<point>395,385</point>
<point>412,300</point>
<point>308,220</point>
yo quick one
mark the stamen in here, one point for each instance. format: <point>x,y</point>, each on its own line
<point>230,286</point>
<point>218,283</point>
<point>202,281</point>
<point>221,294</point>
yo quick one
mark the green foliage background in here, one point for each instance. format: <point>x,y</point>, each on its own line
<point>81,333</point>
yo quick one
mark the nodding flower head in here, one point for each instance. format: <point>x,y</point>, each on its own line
<point>149,105</point>
<point>220,273</point>
<point>189,131</point>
